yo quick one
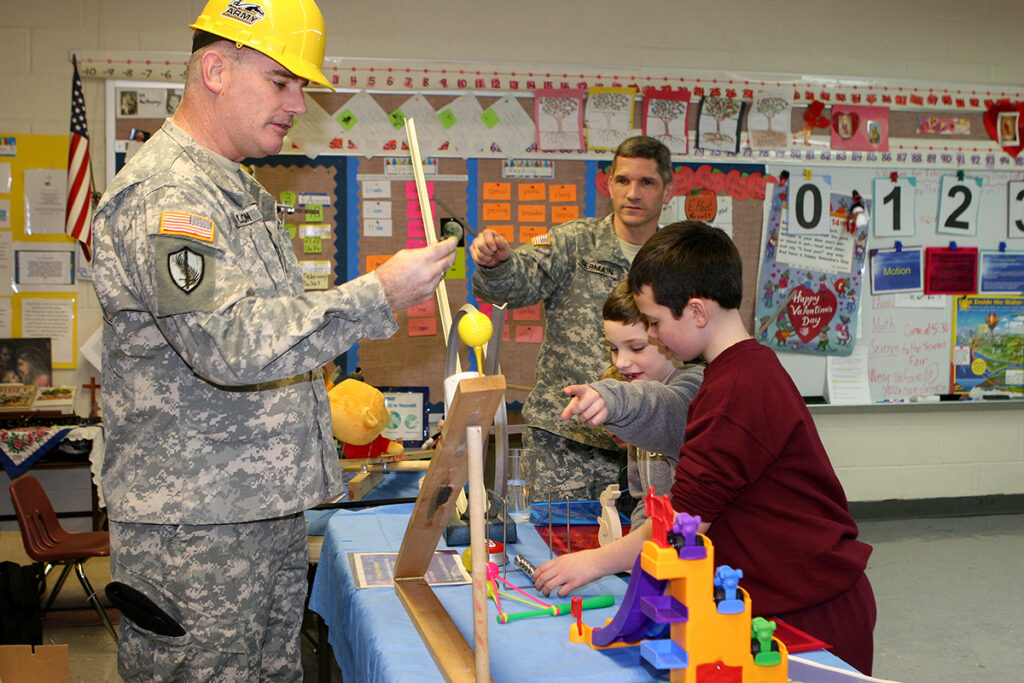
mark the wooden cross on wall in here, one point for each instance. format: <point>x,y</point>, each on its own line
<point>94,406</point>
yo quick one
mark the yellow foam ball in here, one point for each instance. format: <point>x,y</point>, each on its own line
<point>475,329</point>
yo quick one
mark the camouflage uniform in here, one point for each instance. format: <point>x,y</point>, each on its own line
<point>214,402</point>
<point>572,277</point>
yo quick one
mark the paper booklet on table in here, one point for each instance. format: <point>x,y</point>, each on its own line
<point>376,570</point>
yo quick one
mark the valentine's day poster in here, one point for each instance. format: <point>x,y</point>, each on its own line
<point>809,286</point>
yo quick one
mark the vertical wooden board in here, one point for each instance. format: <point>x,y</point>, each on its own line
<point>476,400</point>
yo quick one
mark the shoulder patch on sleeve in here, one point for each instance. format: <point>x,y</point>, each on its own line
<point>541,241</point>
<point>187,225</point>
<point>186,276</point>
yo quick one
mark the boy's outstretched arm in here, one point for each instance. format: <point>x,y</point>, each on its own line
<point>568,572</point>
<point>586,404</point>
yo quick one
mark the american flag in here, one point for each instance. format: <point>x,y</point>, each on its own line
<point>78,215</point>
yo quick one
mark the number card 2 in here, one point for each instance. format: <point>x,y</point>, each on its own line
<point>895,207</point>
<point>959,202</point>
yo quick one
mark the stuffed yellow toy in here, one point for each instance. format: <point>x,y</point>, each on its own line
<point>358,416</point>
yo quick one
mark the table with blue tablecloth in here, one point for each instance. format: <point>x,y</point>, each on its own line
<point>375,641</point>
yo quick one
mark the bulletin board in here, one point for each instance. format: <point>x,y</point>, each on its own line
<point>733,136</point>
<point>38,261</point>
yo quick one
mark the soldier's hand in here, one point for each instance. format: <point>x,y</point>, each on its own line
<point>489,249</point>
<point>411,275</point>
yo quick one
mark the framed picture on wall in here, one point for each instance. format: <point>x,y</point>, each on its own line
<point>26,361</point>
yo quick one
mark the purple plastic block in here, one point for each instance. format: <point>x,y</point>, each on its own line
<point>664,609</point>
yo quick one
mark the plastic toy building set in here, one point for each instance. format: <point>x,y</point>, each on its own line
<point>676,591</point>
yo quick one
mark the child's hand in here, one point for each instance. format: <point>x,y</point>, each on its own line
<point>586,404</point>
<point>566,573</point>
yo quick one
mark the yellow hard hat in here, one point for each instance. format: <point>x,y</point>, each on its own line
<point>291,32</point>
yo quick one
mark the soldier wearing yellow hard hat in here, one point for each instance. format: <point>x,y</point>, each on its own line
<point>217,419</point>
<point>291,32</point>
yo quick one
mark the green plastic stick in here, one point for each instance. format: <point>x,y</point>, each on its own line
<point>558,610</point>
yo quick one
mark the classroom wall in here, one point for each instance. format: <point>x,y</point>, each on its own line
<point>922,452</point>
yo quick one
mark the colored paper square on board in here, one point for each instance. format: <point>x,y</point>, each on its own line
<point>564,214</point>
<point>397,119</point>
<point>497,212</point>
<point>484,308</point>
<point>373,261</point>
<point>531,192</point>
<point>506,231</point>
<point>489,118</point>
<point>314,213</point>
<point>563,193</point>
<point>347,119</point>
<point>412,210</point>
<point>528,232</point>
<point>458,269</point>
<point>527,313</point>
<point>411,193</point>
<point>422,310</point>
<point>506,333</point>
<point>415,243</point>
<point>312,245</point>
<point>529,334</point>
<point>496,192</point>
<point>949,271</point>
<point>290,227</point>
<point>288,197</point>
<point>414,228</point>
<point>533,213</point>
<point>422,327</point>
<point>447,118</point>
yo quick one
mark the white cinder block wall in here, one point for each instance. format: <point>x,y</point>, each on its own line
<point>879,454</point>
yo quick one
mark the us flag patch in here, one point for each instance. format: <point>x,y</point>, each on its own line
<point>187,225</point>
<point>541,241</point>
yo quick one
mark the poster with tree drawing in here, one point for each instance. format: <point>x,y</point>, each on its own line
<point>665,118</point>
<point>718,124</point>
<point>608,117</point>
<point>769,120</point>
<point>558,115</point>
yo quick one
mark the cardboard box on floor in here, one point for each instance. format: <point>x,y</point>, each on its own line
<point>19,664</point>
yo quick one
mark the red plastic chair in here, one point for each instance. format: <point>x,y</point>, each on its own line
<point>46,541</point>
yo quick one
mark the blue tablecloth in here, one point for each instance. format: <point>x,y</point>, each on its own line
<point>375,641</point>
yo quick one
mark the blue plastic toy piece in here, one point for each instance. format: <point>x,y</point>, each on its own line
<point>664,654</point>
<point>727,580</point>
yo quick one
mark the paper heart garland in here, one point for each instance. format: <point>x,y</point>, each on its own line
<point>995,125</point>
<point>810,312</point>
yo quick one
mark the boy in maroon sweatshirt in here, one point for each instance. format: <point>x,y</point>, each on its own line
<point>753,467</point>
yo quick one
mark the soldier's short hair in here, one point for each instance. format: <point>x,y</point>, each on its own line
<point>646,147</point>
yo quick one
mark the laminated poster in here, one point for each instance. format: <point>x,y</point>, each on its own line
<point>810,285</point>
<point>988,345</point>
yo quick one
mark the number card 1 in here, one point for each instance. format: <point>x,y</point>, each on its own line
<point>959,202</point>
<point>895,207</point>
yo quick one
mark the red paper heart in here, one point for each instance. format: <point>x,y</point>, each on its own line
<point>809,311</point>
<point>992,124</point>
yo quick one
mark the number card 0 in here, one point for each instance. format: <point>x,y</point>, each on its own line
<point>809,206</point>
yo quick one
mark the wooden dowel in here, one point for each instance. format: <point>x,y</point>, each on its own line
<point>478,548</point>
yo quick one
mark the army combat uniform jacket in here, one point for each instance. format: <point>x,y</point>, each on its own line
<point>214,401</point>
<point>572,277</point>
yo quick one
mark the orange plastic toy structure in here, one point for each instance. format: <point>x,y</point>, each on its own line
<point>712,637</point>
